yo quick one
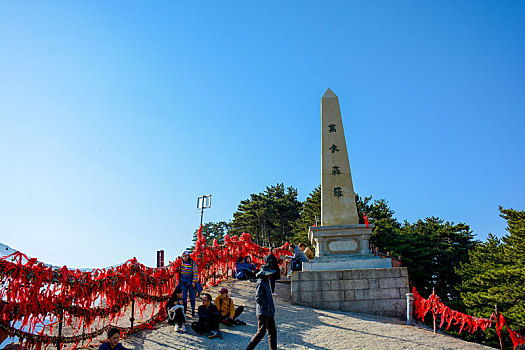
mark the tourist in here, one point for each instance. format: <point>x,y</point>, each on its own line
<point>265,310</point>
<point>112,343</point>
<point>298,258</point>
<point>273,264</point>
<point>189,277</point>
<point>209,318</point>
<point>175,310</point>
<point>245,269</point>
<point>229,314</point>
<point>306,250</point>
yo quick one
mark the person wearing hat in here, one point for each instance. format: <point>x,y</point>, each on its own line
<point>189,277</point>
<point>265,310</point>
<point>227,309</point>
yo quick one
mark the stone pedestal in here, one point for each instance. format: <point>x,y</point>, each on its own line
<point>347,240</point>
<point>343,247</point>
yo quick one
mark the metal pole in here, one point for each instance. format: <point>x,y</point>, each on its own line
<point>434,322</point>
<point>496,312</point>
<point>410,308</point>
<point>202,213</point>
<point>132,318</point>
<point>60,319</point>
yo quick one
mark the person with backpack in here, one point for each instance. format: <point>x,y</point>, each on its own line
<point>189,278</point>
<point>229,314</point>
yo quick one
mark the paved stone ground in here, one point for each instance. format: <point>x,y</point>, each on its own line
<point>300,328</point>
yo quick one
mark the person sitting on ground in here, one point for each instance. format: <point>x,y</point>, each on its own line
<point>209,317</point>
<point>175,310</point>
<point>112,343</point>
<point>229,314</point>
<point>307,251</point>
<point>273,264</point>
<point>245,269</point>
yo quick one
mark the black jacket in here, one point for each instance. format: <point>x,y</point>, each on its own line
<point>263,298</point>
<point>205,313</point>
<point>272,263</point>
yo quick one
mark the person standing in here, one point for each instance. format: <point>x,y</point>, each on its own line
<point>265,310</point>
<point>273,264</point>
<point>189,276</point>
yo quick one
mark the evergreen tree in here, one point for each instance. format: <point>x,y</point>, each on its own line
<point>211,231</point>
<point>495,274</point>
<point>379,213</point>
<point>431,250</point>
<point>269,215</point>
<point>310,212</point>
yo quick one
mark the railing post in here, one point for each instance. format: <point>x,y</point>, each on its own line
<point>132,318</point>
<point>496,313</point>
<point>60,321</point>
<point>410,308</point>
<point>434,321</point>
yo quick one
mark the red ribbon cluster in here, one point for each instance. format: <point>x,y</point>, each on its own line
<point>38,295</point>
<point>422,306</point>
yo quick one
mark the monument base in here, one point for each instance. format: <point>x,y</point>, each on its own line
<point>347,263</point>
<point>370,291</point>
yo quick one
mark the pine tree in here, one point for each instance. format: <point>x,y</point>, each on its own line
<point>268,216</point>
<point>211,231</point>
<point>431,250</point>
<point>495,274</point>
<point>310,215</point>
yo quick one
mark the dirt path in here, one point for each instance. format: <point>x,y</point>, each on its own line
<point>301,328</point>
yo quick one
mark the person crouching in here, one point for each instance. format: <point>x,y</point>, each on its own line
<point>229,313</point>
<point>209,318</point>
<point>175,310</point>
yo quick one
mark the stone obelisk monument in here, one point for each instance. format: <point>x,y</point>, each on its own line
<point>337,191</point>
<point>340,241</point>
<point>344,275</point>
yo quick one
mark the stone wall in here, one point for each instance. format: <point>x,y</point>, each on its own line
<point>371,291</point>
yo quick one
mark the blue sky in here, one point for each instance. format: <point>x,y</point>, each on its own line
<point>115,116</point>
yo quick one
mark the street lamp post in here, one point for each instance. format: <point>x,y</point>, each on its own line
<point>203,202</point>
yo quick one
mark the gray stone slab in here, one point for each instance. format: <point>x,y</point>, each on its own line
<point>328,305</point>
<point>355,284</point>
<point>349,295</point>
<point>350,264</point>
<point>336,285</point>
<point>373,283</point>
<point>332,295</point>
<point>397,282</point>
